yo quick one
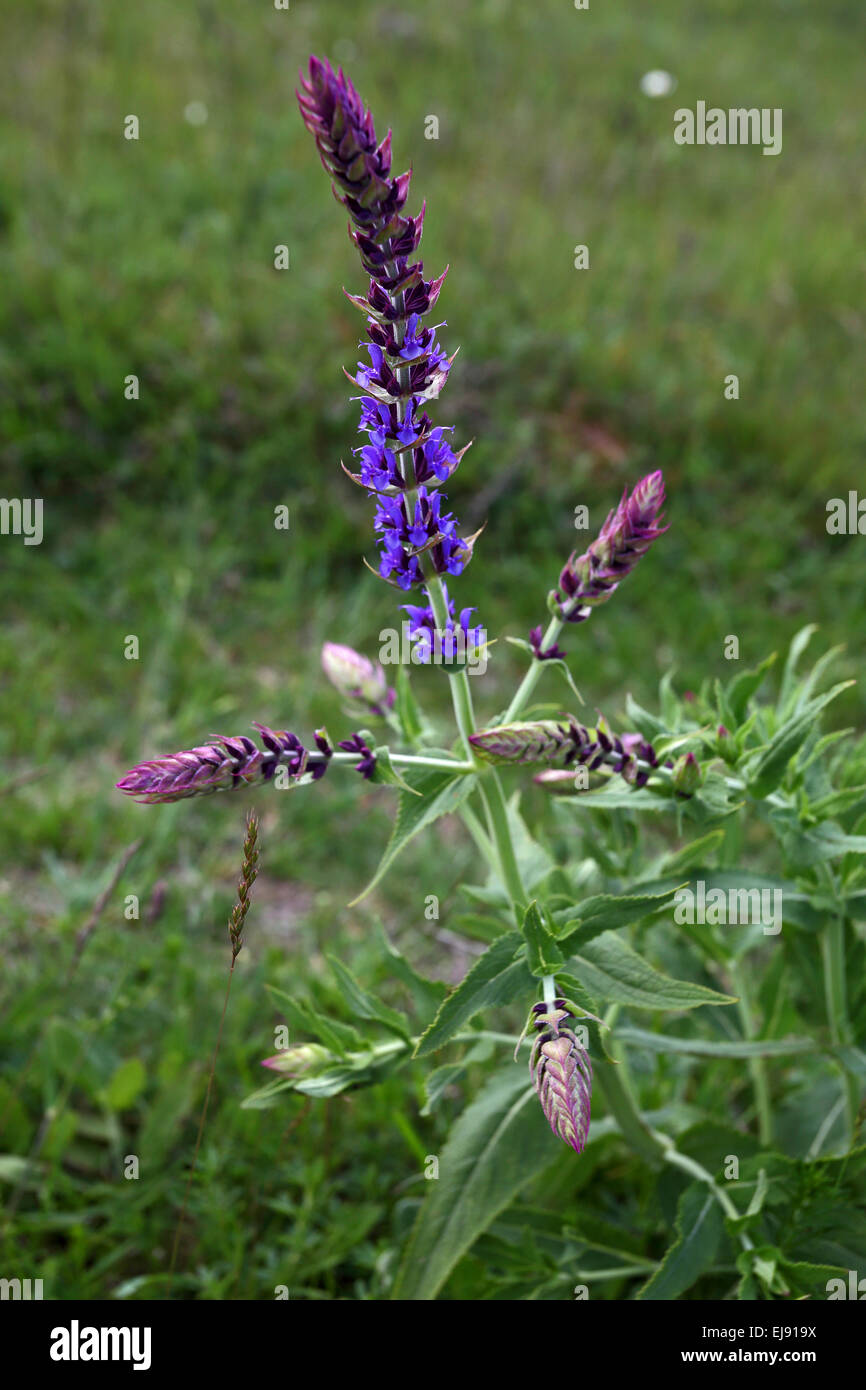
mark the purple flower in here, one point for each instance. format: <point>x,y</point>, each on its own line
<point>367,764</point>
<point>592,578</point>
<point>430,642</point>
<point>407,366</point>
<point>224,764</point>
<point>554,653</point>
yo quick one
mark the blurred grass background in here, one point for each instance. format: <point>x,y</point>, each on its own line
<point>155,257</point>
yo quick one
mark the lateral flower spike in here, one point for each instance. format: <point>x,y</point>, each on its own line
<point>592,578</point>
<point>227,763</point>
<point>561,1073</point>
<point>566,743</point>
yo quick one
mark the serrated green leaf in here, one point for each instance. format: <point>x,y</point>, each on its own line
<point>367,1005</point>
<point>386,774</point>
<point>440,793</point>
<point>495,978</point>
<point>499,1143</point>
<point>542,953</point>
<point>699,1229</point>
<point>612,971</point>
<point>605,912</point>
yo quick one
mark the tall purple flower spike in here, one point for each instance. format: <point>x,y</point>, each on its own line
<point>592,578</point>
<point>226,763</point>
<point>561,1073</point>
<point>406,457</point>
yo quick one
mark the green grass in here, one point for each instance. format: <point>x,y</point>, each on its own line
<point>156,258</point>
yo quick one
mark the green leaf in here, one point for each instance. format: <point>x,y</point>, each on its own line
<point>426,994</point>
<point>542,953</point>
<point>336,1036</point>
<point>646,724</point>
<point>438,1081</point>
<point>708,1047</point>
<point>695,853</point>
<point>533,860</point>
<point>385,773</point>
<point>407,710</point>
<point>616,796</point>
<point>499,1143</point>
<point>611,970</point>
<point>745,685</point>
<point>478,927</point>
<point>366,1005</point>
<point>699,1228</point>
<point>441,792</point>
<point>799,643</point>
<point>496,978</point>
<point>126,1085</point>
<point>606,911</point>
<point>554,662</point>
<point>816,845</point>
<point>769,769</point>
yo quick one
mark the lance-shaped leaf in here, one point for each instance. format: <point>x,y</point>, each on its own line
<point>542,953</point>
<point>499,1143</point>
<point>496,978</point>
<point>699,1230</point>
<point>612,970</point>
<point>434,793</point>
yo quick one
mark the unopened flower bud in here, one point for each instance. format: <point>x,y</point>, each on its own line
<point>686,775</point>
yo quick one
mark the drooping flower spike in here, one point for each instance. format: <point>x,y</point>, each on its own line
<point>592,578</point>
<point>227,763</point>
<point>561,1072</point>
<point>406,457</point>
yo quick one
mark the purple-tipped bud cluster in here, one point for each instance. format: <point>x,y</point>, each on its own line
<point>561,1073</point>
<point>356,678</point>
<point>567,743</point>
<point>590,579</point>
<point>226,763</point>
<point>406,457</point>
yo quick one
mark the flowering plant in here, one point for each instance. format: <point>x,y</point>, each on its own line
<point>571,942</point>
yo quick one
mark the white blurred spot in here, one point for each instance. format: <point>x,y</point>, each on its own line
<point>657,83</point>
<point>195,113</point>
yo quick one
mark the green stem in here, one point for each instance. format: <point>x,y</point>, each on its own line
<point>836,998</point>
<point>404,760</point>
<point>530,680</point>
<point>757,1065</point>
<point>489,785</point>
<point>651,1144</point>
